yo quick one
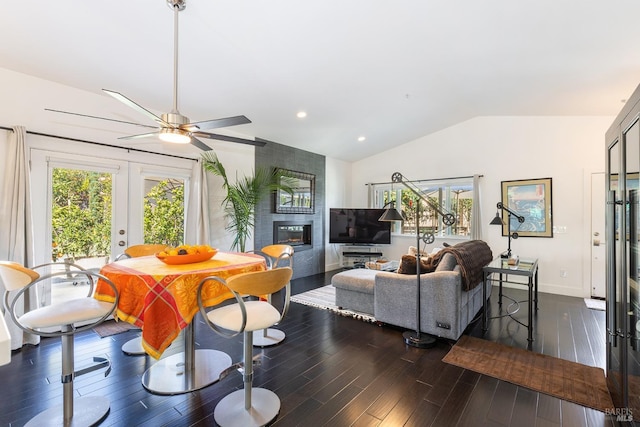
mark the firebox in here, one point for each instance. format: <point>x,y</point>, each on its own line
<point>294,233</point>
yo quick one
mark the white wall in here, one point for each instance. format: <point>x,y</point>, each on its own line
<point>238,161</point>
<point>566,149</point>
<point>337,194</point>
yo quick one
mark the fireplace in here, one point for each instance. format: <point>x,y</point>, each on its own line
<point>294,233</point>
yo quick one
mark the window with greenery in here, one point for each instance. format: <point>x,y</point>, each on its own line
<point>82,211</point>
<point>451,196</point>
<point>164,211</point>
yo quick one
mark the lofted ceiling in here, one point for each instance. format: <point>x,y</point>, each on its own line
<point>389,71</point>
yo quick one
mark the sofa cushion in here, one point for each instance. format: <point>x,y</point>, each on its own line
<point>447,263</point>
<point>408,265</point>
<point>358,279</point>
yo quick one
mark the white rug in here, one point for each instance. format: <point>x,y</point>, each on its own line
<point>325,298</point>
<point>595,304</point>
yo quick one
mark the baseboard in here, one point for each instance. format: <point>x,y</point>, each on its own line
<point>551,289</point>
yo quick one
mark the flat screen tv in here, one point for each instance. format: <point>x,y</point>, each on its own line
<point>358,226</point>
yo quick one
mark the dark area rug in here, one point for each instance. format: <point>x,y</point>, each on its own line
<point>111,327</point>
<point>574,382</point>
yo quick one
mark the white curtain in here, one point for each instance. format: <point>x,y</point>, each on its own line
<point>476,217</point>
<point>203,235</point>
<point>16,239</point>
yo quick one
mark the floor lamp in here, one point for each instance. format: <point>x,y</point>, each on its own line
<point>416,338</point>
<point>498,221</point>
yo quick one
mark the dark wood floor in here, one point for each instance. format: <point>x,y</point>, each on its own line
<point>330,370</point>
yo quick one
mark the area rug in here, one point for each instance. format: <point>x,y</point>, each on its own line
<point>574,382</point>
<point>595,304</point>
<point>111,327</point>
<point>325,298</point>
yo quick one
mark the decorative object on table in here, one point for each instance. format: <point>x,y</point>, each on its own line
<point>186,254</point>
<point>530,198</point>
<point>243,196</point>
<point>251,406</point>
<point>302,198</point>
<point>141,250</point>
<point>512,234</point>
<point>416,338</point>
<point>65,316</point>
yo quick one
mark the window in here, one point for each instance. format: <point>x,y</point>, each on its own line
<point>454,196</point>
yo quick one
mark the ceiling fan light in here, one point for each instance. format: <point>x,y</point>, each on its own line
<point>174,136</point>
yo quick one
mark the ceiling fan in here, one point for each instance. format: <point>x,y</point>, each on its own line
<point>173,126</point>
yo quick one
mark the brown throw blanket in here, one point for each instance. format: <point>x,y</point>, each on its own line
<point>471,257</point>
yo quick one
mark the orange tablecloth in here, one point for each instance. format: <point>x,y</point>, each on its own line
<point>162,299</point>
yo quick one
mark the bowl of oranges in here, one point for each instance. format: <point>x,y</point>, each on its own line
<point>186,254</point>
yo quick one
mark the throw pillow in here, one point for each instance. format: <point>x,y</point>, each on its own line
<point>413,251</point>
<point>408,265</point>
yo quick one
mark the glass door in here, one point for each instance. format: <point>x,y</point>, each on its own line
<point>94,208</point>
<point>630,313</point>
<point>615,228</point>
<point>158,195</point>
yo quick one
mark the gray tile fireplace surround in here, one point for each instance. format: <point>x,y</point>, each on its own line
<point>309,260</point>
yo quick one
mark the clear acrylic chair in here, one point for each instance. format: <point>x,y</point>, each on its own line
<point>251,406</point>
<point>65,316</point>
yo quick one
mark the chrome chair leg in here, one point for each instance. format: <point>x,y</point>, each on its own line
<point>268,337</point>
<point>84,411</point>
<point>252,406</point>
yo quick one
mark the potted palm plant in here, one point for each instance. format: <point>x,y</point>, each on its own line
<point>243,196</point>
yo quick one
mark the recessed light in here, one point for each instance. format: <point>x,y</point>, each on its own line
<point>301,114</point>
<point>361,138</point>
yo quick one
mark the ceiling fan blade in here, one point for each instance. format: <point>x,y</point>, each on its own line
<point>99,118</point>
<point>201,145</point>
<point>257,142</point>
<point>141,135</point>
<point>216,123</point>
<point>129,103</point>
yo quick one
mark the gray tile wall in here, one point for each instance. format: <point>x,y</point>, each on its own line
<point>307,262</point>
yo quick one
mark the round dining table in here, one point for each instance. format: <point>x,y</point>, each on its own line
<point>161,299</point>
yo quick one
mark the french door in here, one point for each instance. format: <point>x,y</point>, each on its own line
<point>623,264</point>
<point>107,204</point>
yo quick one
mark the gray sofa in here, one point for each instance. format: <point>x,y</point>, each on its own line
<point>446,307</point>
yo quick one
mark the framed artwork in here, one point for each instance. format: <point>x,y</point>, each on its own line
<point>530,198</point>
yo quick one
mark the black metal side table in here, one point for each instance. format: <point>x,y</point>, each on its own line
<point>523,267</point>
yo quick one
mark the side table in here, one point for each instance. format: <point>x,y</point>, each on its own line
<point>524,267</point>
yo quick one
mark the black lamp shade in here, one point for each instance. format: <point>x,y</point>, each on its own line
<point>497,220</point>
<point>391,214</point>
